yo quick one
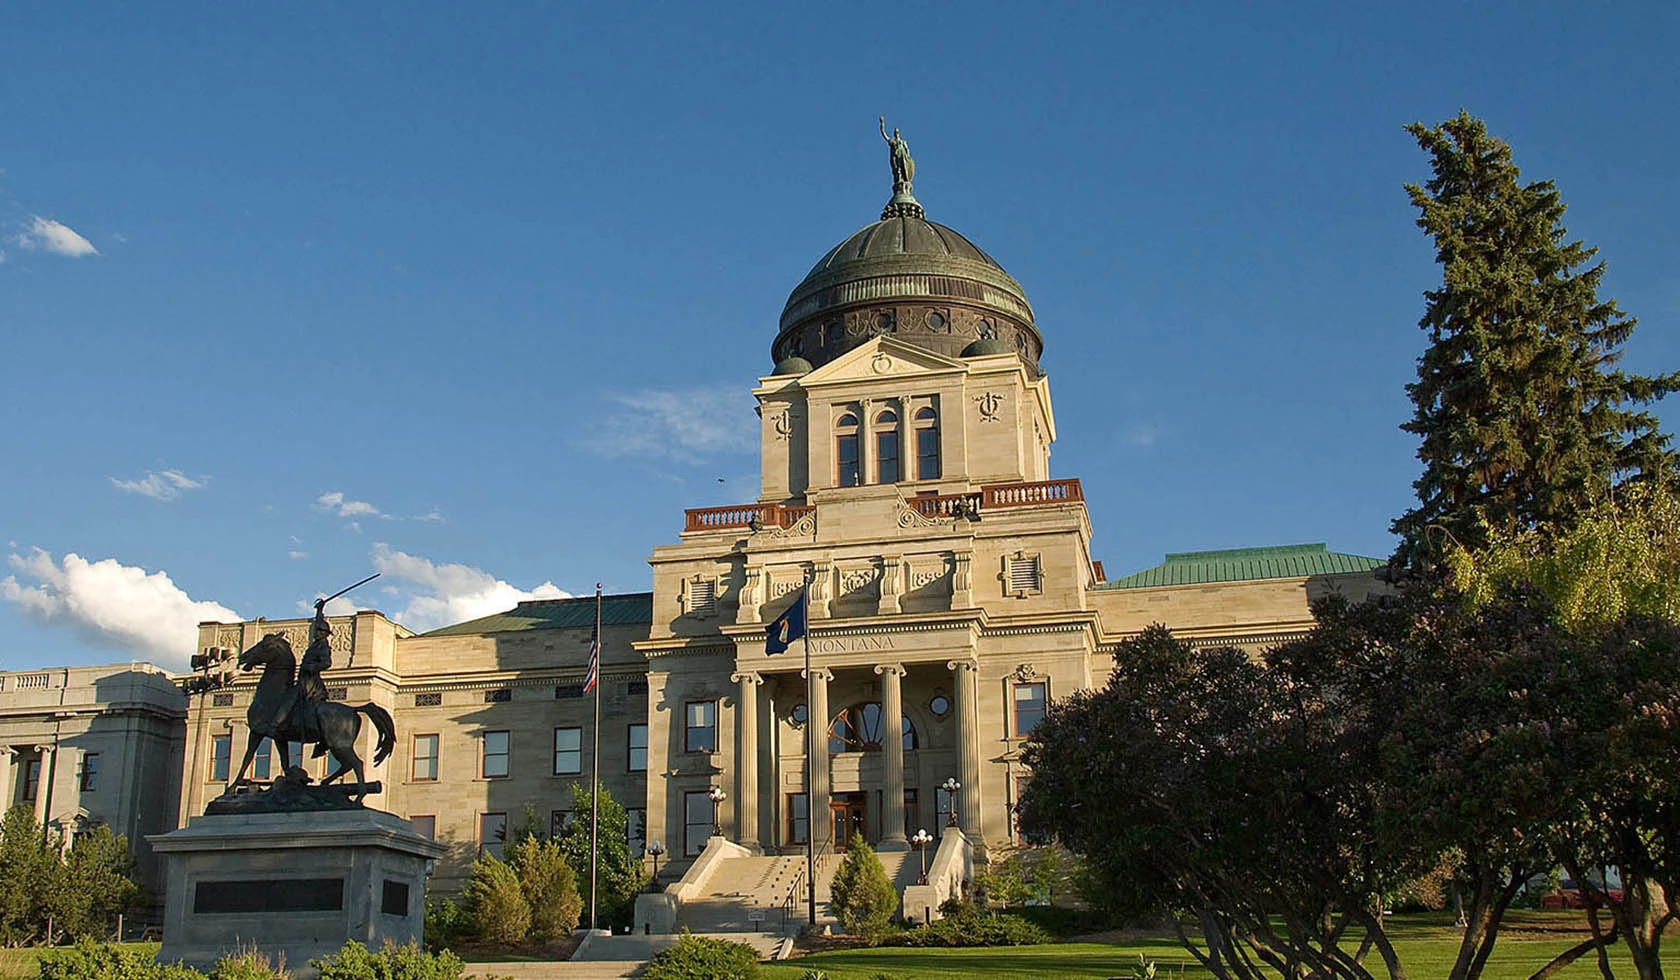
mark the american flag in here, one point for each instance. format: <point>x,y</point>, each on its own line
<point>594,662</point>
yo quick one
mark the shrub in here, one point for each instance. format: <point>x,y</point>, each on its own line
<point>698,958</point>
<point>862,897</point>
<point>966,925</point>
<point>446,924</point>
<point>550,888</point>
<point>248,964</point>
<point>90,960</point>
<point>392,962</point>
<point>496,902</point>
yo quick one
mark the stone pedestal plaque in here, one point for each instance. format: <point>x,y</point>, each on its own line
<point>296,885</point>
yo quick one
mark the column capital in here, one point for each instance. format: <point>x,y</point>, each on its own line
<point>958,665</point>
<point>819,674</point>
<point>746,677</point>
<point>6,751</point>
<point>44,748</point>
<point>884,669</point>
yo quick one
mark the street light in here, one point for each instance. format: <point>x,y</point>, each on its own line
<point>654,849</point>
<point>922,839</point>
<point>950,786</point>
<point>717,796</point>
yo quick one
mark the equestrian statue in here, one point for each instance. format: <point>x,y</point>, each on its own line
<point>290,704</point>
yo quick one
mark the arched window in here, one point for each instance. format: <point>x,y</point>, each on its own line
<point>858,729</point>
<point>927,444</point>
<point>846,449</point>
<point>886,447</point>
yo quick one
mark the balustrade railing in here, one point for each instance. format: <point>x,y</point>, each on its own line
<point>743,515</point>
<point>993,497</point>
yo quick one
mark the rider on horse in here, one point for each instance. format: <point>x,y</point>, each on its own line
<point>294,717</point>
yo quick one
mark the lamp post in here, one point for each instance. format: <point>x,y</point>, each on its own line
<point>717,796</point>
<point>922,839</point>
<point>654,849</point>
<point>950,786</point>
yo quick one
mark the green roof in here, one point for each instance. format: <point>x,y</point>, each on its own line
<point>1245,564</point>
<point>635,609</point>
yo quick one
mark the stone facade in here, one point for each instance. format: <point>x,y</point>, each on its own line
<point>94,745</point>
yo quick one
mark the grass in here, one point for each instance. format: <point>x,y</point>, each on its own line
<point>1427,945</point>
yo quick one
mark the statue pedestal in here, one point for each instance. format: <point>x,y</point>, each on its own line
<point>295,884</point>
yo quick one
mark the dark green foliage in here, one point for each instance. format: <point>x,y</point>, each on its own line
<point>618,874</point>
<point>495,903</point>
<point>965,924</point>
<point>549,885</point>
<point>391,962</point>
<point>81,894</point>
<point>446,924</point>
<point>1523,420</point>
<point>862,897</point>
<point>248,964</point>
<point>90,960</point>
<point>698,958</point>
<point>27,870</point>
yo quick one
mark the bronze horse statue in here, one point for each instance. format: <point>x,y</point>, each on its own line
<point>330,725</point>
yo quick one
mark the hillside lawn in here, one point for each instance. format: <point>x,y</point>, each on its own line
<point>1426,943</point>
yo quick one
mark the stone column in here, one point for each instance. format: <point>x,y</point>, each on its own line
<point>892,758</point>
<point>5,777</point>
<point>816,749</point>
<point>968,747</point>
<point>43,787</point>
<point>746,758</point>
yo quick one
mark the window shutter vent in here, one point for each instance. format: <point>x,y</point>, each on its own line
<point>702,597</point>
<point>1023,574</point>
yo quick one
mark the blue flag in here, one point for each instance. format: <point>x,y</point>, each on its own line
<point>789,626</point>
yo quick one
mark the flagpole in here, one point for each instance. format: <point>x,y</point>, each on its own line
<point>595,764</point>
<point>810,753</point>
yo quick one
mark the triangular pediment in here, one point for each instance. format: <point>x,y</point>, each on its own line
<point>883,357</point>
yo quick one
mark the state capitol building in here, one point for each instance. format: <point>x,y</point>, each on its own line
<point>905,436</point>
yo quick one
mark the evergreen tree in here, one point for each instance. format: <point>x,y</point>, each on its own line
<point>862,896</point>
<point>550,887</point>
<point>96,882</point>
<point>1523,418</point>
<point>495,902</point>
<point>27,870</point>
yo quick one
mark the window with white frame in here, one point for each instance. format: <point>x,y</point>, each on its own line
<point>568,751</point>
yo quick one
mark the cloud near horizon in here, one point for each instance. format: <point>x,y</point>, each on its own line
<point>165,485</point>
<point>444,594</point>
<point>46,235</point>
<point>109,604</point>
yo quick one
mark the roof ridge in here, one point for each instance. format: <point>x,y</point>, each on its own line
<point>1264,551</point>
<point>530,603</point>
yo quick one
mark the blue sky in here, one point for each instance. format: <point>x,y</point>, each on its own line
<point>474,294</point>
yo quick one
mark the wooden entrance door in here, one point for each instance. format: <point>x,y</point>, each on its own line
<point>848,816</point>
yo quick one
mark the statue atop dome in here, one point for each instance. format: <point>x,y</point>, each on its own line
<point>903,168</point>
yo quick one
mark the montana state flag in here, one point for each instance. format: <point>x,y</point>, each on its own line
<point>789,626</point>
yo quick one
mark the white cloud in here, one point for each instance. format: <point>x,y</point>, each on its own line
<point>335,502</point>
<point>108,603</point>
<point>297,555</point>
<point>47,235</point>
<point>439,595</point>
<point>689,424</point>
<point>166,485</point>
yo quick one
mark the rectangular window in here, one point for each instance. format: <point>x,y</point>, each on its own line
<point>492,834</point>
<point>927,454</point>
<point>697,821</point>
<point>90,772</point>
<point>568,751</point>
<point>941,810</point>
<point>31,779</point>
<point>799,818</point>
<point>559,820</point>
<point>638,748</point>
<point>563,692</point>
<point>635,830</point>
<point>294,755</point>
<point>912,814</point>
<point>701,734</point>
<point>425,757</point>
<point>262,763</point>
<point>495,755</point>
<point>1029,707</point>
<point>221,750</point>
<point>425,826</point>
<point>847,453</point>
<point>886,457</point>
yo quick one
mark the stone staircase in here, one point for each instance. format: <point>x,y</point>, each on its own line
<point>745,895</point>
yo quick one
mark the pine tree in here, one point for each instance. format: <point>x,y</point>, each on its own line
<point>862,896</point>
<point>1524,420</point>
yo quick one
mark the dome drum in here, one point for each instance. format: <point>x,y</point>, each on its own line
<point>944,328</point>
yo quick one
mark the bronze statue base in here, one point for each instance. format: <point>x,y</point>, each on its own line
<point>292,792</point>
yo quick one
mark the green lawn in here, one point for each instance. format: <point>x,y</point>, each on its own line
<point>1426,945</point>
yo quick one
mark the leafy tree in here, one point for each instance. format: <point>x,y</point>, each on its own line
<point>549,885</point>
<point>26,872</point>
<point>861,895</point>
<point>1523,420</point>
<point>94,884</point>
<point>495,901</point>
<point>618,873</point>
